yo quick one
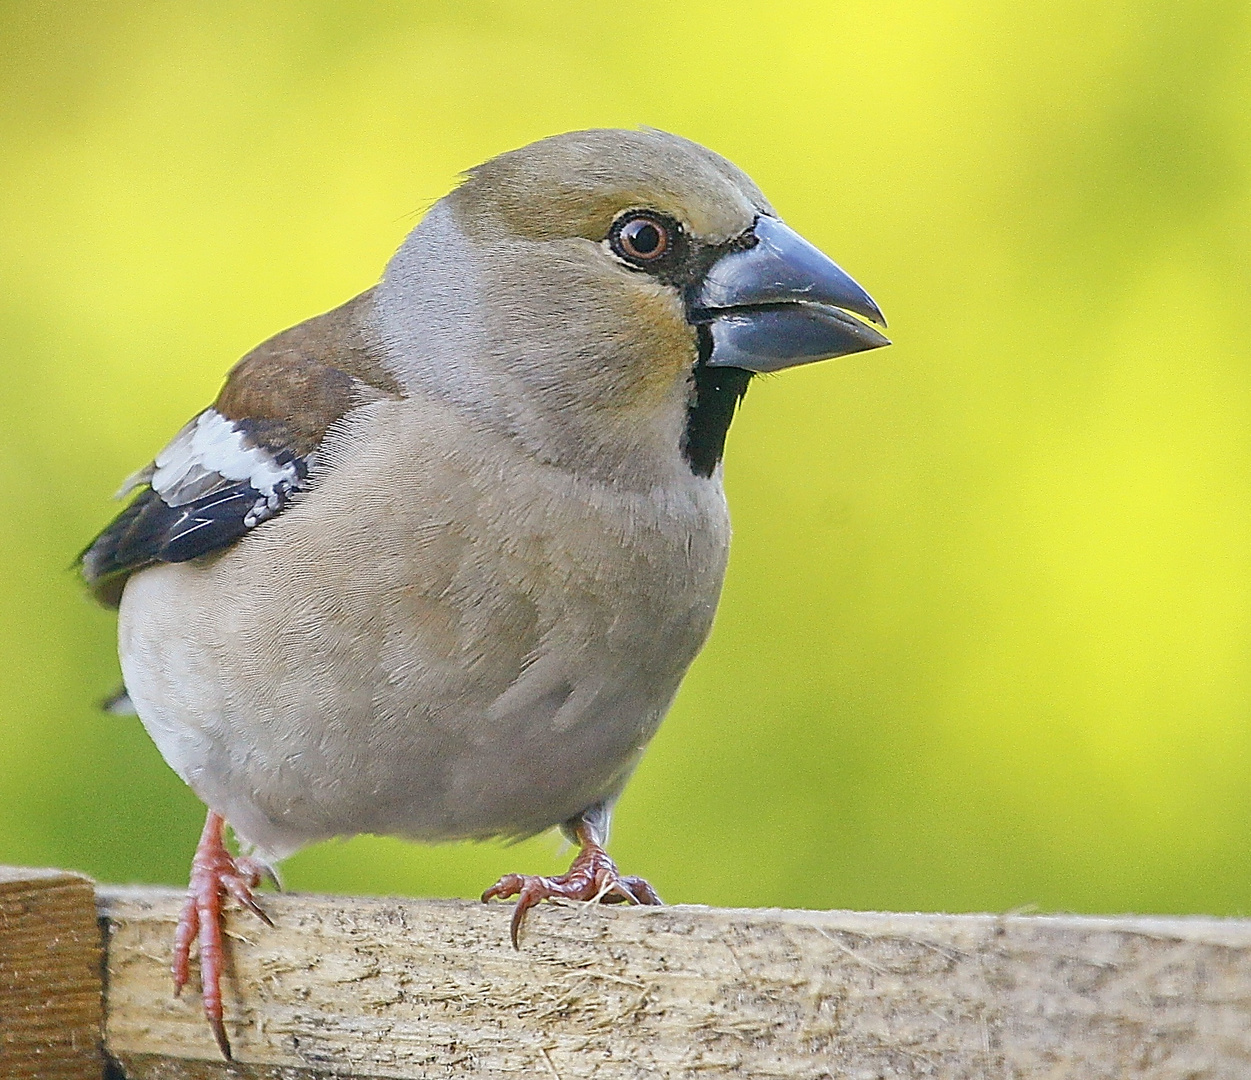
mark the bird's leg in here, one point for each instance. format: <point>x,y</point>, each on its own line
<point>215,874</point>
<point>593,876</point>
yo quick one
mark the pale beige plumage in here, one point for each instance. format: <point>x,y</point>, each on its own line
<point>465,643</point>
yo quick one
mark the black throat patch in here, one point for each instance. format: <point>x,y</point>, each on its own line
<point>715,394</point>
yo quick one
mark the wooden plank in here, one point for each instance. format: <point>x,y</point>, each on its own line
<point>50,976</point>
<point>391,988</point>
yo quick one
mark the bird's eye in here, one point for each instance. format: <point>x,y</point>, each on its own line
<point>642,239</point>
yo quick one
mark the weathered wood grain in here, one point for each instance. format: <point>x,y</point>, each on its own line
<point>390,988</point>
<point>50,977</point>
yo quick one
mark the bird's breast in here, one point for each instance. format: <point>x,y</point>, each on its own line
<point>442,637</point>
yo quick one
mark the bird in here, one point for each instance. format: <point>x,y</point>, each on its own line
<point>434,563</point>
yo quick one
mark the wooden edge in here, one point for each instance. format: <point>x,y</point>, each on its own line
<point>407,988</point>
<point>23,877</point>
<point>351,987</point>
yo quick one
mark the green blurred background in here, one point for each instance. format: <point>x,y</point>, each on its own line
<point>986,639</point>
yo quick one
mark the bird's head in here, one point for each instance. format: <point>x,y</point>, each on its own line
<point>607,296</point>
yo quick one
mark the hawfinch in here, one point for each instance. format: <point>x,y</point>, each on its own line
<point>434,563</point>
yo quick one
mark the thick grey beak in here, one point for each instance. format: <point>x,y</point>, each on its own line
<point>782,303</point>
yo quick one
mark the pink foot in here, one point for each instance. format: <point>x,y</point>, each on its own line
<point>593,876</point>
<point>215,874</point>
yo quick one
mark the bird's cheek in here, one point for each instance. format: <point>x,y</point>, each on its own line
<point>662,348</point>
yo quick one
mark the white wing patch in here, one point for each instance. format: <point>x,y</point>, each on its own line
<point>210,450</point>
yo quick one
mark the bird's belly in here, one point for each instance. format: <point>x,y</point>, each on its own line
<point>305,709</point>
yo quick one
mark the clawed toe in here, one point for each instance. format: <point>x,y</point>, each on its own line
<point>638,891</point>
<point>592,877</point>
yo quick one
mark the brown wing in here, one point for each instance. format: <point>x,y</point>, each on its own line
<point>238,463</point>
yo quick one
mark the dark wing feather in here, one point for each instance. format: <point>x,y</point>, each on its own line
<point>153,529</point>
